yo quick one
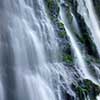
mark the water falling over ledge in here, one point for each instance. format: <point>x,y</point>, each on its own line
<point>31,54</point>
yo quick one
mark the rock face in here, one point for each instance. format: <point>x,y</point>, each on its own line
<point>85,87</point>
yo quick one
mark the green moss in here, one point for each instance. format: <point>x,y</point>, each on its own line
<point>62,34</point>
<point>80,92</point>
<point>61,25</point>
<point>53,9</point>
<point>89,85</point>
<point>50,5</point>
<point>68,58</point>
<point>87,88</point>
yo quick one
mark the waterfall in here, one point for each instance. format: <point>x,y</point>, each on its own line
<point>29,40</point>
<point>29,52</point>
<point>86,9</point>
<point>78,55</point>
<point>1,91</point>
<point>31,64</point>
<point>98,97</point>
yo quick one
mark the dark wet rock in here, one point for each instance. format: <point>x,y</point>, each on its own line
<point>85,37</point>
<point>86,88</point>
<point>62,33</point>
<point>68,58</point>
<point>53,9</point>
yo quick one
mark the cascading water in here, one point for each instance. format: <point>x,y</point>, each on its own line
<point>23,35</point>
<point>31,65</point>
<point>1,91</point>
<point>75,47</point>
<point>30,52</point>
<point>86,9</point>
<point>98,97</point>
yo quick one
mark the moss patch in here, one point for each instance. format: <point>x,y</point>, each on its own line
<point>87,88</point>
<point>53,9</point>
<point>68,58</point>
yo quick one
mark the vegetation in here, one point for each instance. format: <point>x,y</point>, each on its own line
<point>87,88</point>
<point>68,59</point>
<point>53,9</point>
<point>61,33</point>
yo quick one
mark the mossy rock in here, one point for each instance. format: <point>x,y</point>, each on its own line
<point>87,88</point>
<point>66,49</point>
<point>90,85</point>
<point>80,92</point>
<point>62,32</point>
<point>60,25</point>
<point>93,89</point>
<point>53,9</point>
<point>68,58</point>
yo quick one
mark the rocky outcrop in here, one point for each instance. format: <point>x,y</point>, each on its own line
<point>84,87</point>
